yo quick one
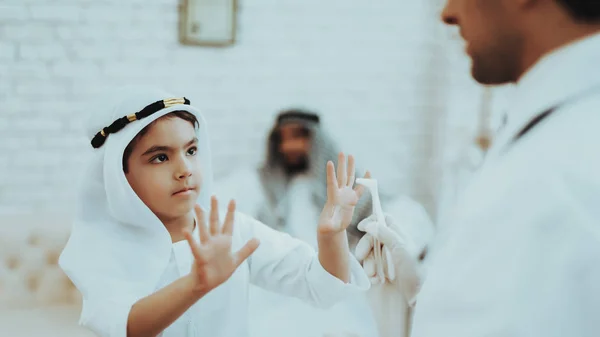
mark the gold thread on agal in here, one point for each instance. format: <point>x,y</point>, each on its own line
<point>173,101</point>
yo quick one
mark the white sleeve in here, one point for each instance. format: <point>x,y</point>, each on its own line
<point>415,222</point>
<point>106,317</point>
<point>522,261</point>
<point>291,267</point>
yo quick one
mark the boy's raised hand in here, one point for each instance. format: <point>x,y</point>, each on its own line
<point>214,262</point>
<point>341,196</point>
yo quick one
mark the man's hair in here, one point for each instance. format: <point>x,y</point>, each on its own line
<point>582,10</point>
<point>187,116</point>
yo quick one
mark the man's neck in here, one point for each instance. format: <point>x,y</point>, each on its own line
<point>176,226</point>
<point>552,39</point>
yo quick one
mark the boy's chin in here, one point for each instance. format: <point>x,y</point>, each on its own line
<point>187,207</point>
<point>181,208</point>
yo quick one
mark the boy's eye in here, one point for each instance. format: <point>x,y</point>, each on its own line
<point>192,151</point>
<point>159,159</point>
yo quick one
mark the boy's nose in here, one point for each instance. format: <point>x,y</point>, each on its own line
<point>184,175</point>
<point>185,170</point>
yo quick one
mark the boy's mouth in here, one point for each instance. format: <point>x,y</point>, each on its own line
<point>185,190</point>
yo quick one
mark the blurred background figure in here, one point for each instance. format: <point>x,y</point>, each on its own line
<point>288,189</point>
<point>394,91</point>
<point>287,192</point>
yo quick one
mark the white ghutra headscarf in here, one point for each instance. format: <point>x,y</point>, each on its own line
<point>118,248</point>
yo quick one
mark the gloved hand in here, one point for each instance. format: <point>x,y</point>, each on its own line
<point>405,276</point>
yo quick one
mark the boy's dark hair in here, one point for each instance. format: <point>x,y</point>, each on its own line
<point>187,116</point>
<point>583,10</point>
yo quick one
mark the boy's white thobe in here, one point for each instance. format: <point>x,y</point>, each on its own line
<point>281,264</point>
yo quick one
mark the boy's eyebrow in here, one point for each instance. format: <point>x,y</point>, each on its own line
<point>161,148</point>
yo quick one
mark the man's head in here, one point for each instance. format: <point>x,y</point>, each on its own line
<point>294,145</point>
<point>506,37</point>
<point>291,139</point>
<point>161,165</point>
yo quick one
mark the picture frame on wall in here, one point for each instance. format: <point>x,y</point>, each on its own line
<point>211,23</point>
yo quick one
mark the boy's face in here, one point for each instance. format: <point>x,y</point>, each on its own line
<point>164,170</point>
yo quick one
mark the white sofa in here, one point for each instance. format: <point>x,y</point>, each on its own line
<point>36,297</point>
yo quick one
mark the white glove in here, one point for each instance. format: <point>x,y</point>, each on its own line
<point>406,275</point>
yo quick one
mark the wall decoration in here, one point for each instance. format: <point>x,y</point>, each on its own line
<point>209,23</point>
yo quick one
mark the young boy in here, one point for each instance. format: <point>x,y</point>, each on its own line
<point>142,255</point>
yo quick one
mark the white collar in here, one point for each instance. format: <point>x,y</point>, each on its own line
<point>557,77</point>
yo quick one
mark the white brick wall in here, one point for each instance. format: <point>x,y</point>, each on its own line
<point>378,73</point>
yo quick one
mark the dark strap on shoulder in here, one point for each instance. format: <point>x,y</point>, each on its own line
<point>535,121</point>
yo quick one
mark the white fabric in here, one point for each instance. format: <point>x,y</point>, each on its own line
<point>390,309</point>
<point>407,237</point>
<point>119,251</point>
<point>521,257</point>
<point>406,275</point>
<point>178,266</point>
<point>301,220</point>
<point>272,314</point>
<point>381,253</point>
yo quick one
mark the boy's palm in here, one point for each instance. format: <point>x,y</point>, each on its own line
<point>341,196</point>
<point>214,262</point>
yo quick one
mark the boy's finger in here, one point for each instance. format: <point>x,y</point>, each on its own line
<point>332,185</point>
<point>214,216</point>
<point>202,230</point>
<point>360,189</point>
<point>245,251</point>
<point>193,246</point>
<point>229,219</point>
<point>351,171</point>
<point>341,170</point>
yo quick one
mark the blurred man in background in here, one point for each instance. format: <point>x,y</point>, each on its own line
<point>293,181</point>
<point>292,178</point>
<point>293,174</point>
